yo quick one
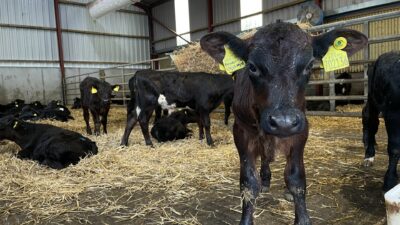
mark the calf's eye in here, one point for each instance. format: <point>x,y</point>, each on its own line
<point>253,69</point>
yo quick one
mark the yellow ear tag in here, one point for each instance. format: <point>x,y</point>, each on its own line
<point>94,90</point>
<point>336,58</point>
<point>116,88</point>
<point>221,67</point>
<point>340,43</point>
<point>15,124</point>
<point>231,62</point>
<point>34,114</point>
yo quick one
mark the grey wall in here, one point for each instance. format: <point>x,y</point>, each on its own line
<point>166,14</point>
<point>198,18</point>
<point>30,84</point>
<point>28,46</point>
<point>223,10</point>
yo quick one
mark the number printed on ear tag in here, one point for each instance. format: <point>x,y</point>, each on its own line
<point>335,59</point>
<point>231,62</point>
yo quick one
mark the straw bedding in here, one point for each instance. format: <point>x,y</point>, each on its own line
<point>187,182</point>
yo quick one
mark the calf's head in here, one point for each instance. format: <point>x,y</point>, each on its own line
<point>277,62</point>
<point>104,91</point>
<point>9,127</point>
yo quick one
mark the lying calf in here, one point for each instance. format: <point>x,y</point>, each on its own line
<point>174,127</point>
<point>49,145</point>
<point>60,113</point>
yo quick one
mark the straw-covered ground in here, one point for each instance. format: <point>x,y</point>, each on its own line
<point>187,182</point>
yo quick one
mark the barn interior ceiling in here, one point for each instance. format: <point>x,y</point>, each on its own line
<point>153,3</point>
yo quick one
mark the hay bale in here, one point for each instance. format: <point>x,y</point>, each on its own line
<point>192,58</point>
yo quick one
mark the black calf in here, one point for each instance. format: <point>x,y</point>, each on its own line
<point>174,127</point>
<point>77,103</point>
<point>383,96</point>
<point>52,146</point>
<point>96,97</point>
<point>200,91</point>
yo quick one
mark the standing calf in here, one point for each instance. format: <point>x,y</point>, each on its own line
<point>202,92</point>
<point>96,97</point>
<point>273,70</point>
<point>77,103</point>
<point>383,96</point>
<point>52,146</point>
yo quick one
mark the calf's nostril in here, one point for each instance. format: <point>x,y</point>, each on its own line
<point>272,121</point>
<point>295,122</point>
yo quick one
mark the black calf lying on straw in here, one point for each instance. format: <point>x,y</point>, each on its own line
<point>52,112</point>
<point>49,145</point>
<point>173,127</point>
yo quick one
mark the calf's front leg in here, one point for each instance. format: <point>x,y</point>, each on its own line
<point>205,119</point>
<point>295,178</point>
<point>96,121</point>
<point>249,180</point>
<point>104,121</point>
<point>265,173</point>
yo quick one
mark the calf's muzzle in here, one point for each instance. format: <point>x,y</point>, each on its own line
<point>283,122</point>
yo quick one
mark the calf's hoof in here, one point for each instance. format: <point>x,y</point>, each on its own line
<point>288,196</point>
<point>248,220</point>
<point>389,183</point>
<point>304,221</point>
<point>149,143</point>
<point>368,162</point>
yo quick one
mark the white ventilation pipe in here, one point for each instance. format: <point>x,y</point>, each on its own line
<point>100,8</point>
<point>392,199</point>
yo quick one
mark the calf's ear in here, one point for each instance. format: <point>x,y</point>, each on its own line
<point>116,88</point>
<point>355,41</point>
<point>214,43</point>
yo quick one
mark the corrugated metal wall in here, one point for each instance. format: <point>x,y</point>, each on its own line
<point>131,46</point>
<point>165,13</point>
<point>28,44</point>
<point>223,11</point>
<point>335,4</point>
<point>198,12</point>
<point>285,14</point>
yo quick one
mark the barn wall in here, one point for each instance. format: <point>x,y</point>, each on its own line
<point>223,11</point>
<point>198,18</point>
<point>165,13</point>
<point>286,14</point>
<point>29,53</point>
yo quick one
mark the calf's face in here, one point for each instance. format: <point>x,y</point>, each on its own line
<point>278,61</point>
<point>104,91</point>
<point>8,127</point>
